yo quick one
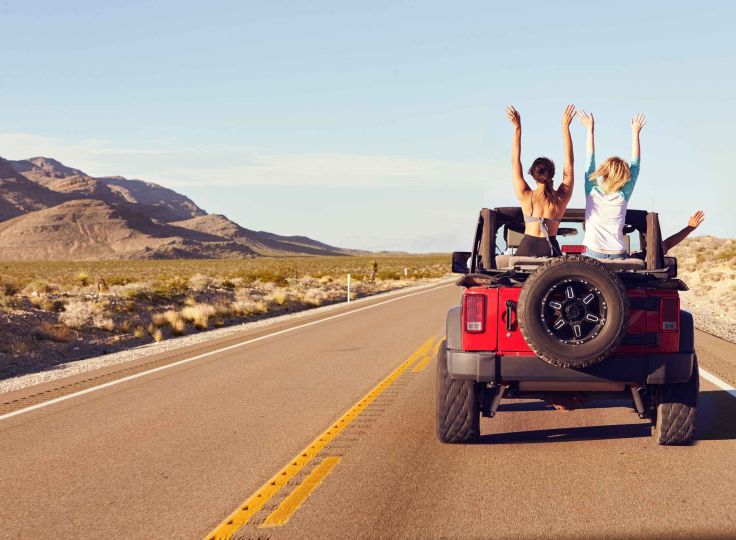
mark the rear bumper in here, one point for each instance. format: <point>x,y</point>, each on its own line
<point>643,369</point>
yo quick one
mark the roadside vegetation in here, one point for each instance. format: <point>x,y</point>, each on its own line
<point>708,266</point>
<point>52,312</point>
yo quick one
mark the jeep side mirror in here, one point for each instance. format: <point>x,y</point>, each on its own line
<point>460,262</point>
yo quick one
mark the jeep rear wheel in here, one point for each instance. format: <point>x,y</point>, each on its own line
<point>676,411</point>
<point>457,405</point>
<point>573,311</point>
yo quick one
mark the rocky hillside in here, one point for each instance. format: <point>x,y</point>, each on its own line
<point>49,211</point>
<point>708,266</point>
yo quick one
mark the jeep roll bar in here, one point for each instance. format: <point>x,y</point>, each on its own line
<point>490,221</point>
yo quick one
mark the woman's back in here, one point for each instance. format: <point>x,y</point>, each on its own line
<point>538,205</point>
<point>543,206</point>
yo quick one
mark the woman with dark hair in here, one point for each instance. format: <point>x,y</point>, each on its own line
<point>543,206</point>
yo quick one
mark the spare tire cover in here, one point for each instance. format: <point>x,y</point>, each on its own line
<point>573,311</point>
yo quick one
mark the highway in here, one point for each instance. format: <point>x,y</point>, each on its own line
<point>323,427</point>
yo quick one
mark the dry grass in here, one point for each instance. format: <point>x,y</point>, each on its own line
<point>62,310</point>
<point>77,314</point>
<point>199,315</point>
<point>176,322</point>
<point>175,275</point>
<point>59,333</point>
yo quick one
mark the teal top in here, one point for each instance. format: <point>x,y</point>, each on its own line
<point>626,191</point>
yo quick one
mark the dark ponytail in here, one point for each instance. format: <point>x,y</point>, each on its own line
<point>543,171</point>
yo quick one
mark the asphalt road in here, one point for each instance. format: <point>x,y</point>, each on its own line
<point>295,435</point>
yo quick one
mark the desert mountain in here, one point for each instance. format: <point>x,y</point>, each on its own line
<point>260,242</point>
<point>50,211</point>
<point>155,201</point>
<point>19,195</point>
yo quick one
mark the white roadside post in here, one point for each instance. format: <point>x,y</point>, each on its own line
<point>348,288</point>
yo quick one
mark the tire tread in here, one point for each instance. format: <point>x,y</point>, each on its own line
<point>457,406</point>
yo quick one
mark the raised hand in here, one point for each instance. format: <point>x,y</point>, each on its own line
<point>568,115</point>
<point>513,116</point>
<point>587,120</point>
<point>696,219</point>
<point>638,122</point>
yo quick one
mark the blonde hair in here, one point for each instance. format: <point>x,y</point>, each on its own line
<point>615,173</point>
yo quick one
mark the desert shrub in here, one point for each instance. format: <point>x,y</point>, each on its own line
<point>157,335</point>
<point>278,297</point>
<point>133,291</point>
<point>228,284</point>
<point>139,331</point>
<point>125,325</point>
<point>175,321</point>
<point>77,314</point>
<point>52,332</point>
<point>119,280</point>
<point>47,304</point>
<point>170,286</point>
<point>158,319</point>
<point>199,315</point>
<point>200,282</point>
<point>38,287</point>
<point>9,288</point>
<point>82,278</point>
<point>315,297</point>
<point>103,323</point>
<point>247,307</point>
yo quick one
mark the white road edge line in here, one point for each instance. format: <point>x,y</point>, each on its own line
<point>723,385</point>
<point>204,355</point>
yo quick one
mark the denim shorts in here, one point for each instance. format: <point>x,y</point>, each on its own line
<point>609,256</point>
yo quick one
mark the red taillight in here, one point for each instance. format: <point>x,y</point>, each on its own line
<point>573,248</point>
<point>669,314</point>
<point>474,313</point>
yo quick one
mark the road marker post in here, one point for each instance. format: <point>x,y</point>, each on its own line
<point>348,288</point>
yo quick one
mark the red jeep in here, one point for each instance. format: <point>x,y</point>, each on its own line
<point>567,329</point>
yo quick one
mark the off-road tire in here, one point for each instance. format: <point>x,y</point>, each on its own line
<point>457,405</point>
<point>675,413</point>
<point>548,347</point>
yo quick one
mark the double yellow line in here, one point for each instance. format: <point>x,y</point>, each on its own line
<point>294,500</point>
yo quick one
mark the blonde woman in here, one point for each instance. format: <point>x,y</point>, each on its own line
<point>608,189</point>
<point>544,205</point>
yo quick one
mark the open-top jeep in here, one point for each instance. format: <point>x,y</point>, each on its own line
<point>567,330</point>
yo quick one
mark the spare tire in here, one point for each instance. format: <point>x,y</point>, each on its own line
<point>573,311</point>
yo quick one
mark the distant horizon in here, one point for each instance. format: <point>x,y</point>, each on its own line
<point>287,233</point>
<point>378,126</point>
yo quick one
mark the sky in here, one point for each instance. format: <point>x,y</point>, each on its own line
<point>373,125</point>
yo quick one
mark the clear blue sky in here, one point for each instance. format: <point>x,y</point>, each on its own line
<point>374,125</point>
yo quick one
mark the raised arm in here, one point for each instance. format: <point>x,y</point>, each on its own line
<point>637,123</point>
<point>589,123</point>
<point>568,171</point>
<point>520,185</point>
<point>693,223</point>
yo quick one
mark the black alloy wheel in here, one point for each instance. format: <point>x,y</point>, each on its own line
<point>574,310</point>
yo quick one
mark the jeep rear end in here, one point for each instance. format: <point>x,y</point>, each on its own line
<point>567,330</point>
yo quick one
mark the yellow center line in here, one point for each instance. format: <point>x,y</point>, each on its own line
<point>427,359</point>
<point>255,502</point>
<point>294,500</point>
